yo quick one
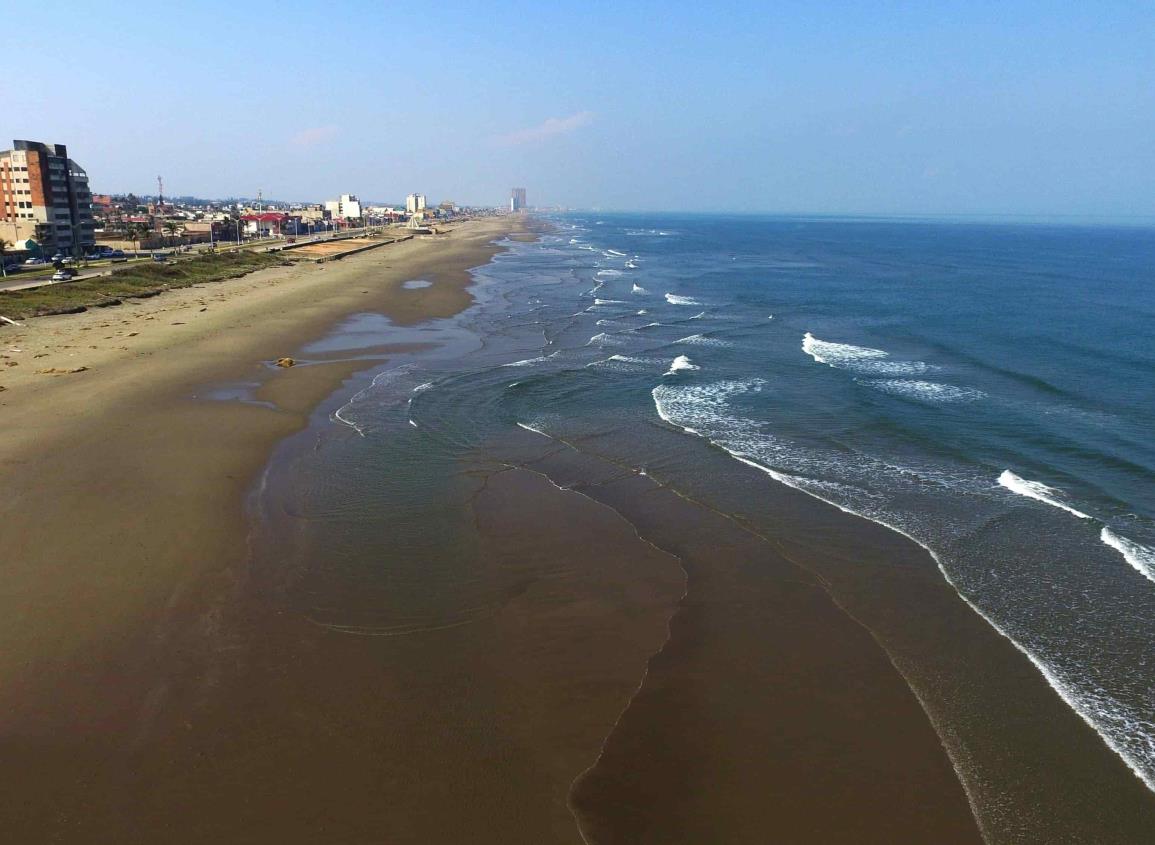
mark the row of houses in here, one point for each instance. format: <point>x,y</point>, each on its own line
<point>46,205</point>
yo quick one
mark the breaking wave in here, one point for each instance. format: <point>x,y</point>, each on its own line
<point>1037,491</point>
<point>681,363</point>
<point>1142,558</point>
<point>859,359</point>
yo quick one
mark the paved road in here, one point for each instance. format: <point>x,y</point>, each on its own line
<point>20,281</point>
<point>15,282</point>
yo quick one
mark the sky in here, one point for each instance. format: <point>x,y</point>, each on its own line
<point>921,108</point>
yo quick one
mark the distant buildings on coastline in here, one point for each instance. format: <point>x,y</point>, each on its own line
<point>348,207</point>
<point>45,199</point>
<point>46,208</point>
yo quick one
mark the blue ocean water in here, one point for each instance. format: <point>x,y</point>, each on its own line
<point>986,390</point>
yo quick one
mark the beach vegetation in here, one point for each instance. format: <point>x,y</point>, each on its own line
<point>135,281</point>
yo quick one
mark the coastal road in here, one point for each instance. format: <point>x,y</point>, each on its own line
<point>14,282</point>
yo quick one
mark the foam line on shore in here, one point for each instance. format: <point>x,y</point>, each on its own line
<point>1066,693</point>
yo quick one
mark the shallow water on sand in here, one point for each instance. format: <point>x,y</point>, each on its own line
<point>938,380</point>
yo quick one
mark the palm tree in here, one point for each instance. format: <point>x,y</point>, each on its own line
<point>132,233</point>
<point>172,229</point>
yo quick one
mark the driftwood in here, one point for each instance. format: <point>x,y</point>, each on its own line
<point>11,322</point>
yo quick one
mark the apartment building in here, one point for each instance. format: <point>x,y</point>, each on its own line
<point>45,193</point>
<point>348,207</point>
<point>414,203</point>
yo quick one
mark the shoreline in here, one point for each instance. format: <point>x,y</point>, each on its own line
<point>124,496</point>
<point>149,653</point>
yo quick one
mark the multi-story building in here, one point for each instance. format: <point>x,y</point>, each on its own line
<point>414,203</point>
<point>312,213</point>
<point>348,207</point>
<point>42,188</point>
<point>516,199</point>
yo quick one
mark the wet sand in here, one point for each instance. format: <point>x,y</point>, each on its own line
<point>122,503</point>
<point>161,684</point>
<point>769,715</point>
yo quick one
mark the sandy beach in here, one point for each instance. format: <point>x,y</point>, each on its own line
<point>161,683</point>
<point>122,501</point>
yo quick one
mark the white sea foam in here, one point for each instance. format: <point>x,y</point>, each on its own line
<point>604,339</point>
<point>675,299</point>
<point>389,378</point>
<point>704,410</point>
<point>643,312</point>
<point>702,340</point>
<point>529,361</point>
<point>625,363</point>
<point>861,359</point>
<point>1140,557</point>
<point>609,273</point>
<point>615,252</point>
<point>681,363</point>
<point>639,289</point>
<point>632,263</point>
<point>926,391</point>
<point>699,315</point>
<point>1037,491</point>
<point>609,302</point>
<point>528,427</point>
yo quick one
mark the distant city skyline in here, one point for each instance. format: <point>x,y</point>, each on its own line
<point>1040,108</point>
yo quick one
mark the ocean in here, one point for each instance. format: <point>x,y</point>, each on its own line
<point>985,390</point>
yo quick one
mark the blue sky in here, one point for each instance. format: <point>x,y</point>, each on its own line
<point>856,107</point>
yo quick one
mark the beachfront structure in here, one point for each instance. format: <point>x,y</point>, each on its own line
<point>348,207</point>
<point>44,195</point>
<point>414,203</point>
<point>516,199</point>
<point>268,224</point>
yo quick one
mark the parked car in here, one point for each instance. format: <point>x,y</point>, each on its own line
<point>159,257</point>
<point>32,262</point>
<point>118,255</point>
<point>63,275</point>
<point>94,256</point>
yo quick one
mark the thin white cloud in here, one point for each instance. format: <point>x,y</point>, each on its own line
<point>550,128</point>
<point>313,136</point>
